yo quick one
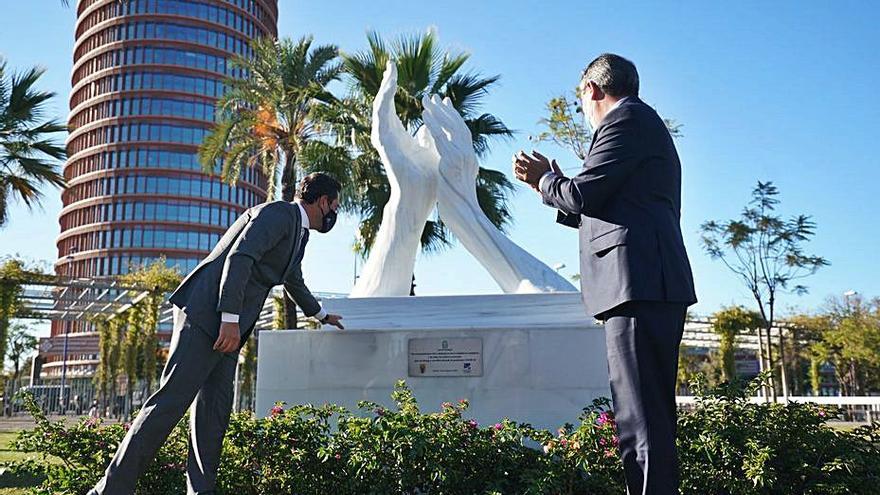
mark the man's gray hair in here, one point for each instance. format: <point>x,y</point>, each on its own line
<point>615,75</point>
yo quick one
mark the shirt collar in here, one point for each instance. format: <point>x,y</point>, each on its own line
<point>619,102</point>
<point>303,215</point>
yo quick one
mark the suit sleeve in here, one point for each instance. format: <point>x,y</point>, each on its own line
<point>613,159</point>
<point>296,289</point>
<point>261,234</point>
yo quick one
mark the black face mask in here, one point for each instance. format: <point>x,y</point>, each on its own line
<point>327,221</point>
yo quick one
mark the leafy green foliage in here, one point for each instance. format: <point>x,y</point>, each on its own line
<point>729,323</point>
<point>565,126</point>
<point>847,335</point>
<point>727,446</point>
<point>29,154</point>
<point>766,253</point>
<point>128,342</point>
<point>730,446</point>
<point>273,118</point>
<point>13,274</point>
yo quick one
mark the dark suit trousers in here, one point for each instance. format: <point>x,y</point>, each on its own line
<point>195,377</point>
<point>642,340</point>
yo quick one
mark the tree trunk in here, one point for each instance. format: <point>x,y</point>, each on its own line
<point>770,362</point>
<point>288,193</point>
<point>815,377</point>
<point>783,376</point>
<point>289,177</point>
<point>759,331</point>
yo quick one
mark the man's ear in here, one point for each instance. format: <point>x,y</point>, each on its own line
<point>596,92</point>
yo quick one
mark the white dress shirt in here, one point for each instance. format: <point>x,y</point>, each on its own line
<point>233,318</point>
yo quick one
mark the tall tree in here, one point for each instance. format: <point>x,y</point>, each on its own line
<point>22,343</point>
<point>766,253</point>
<point>809,329</point>
<point>423,68</point>
<point>271,118</point>
<point>850,341</point>
<point>29,151</point>
<point>141,345</point>
<point>14,273</point>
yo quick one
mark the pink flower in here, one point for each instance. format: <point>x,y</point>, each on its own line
<point>609,453</point>
<point>615,440</point>
<point>446,405</point>
<point>605,418</point>
<point>276,410</point>
<point>821,413</point>
<point>338,456</point>
<point>498,426</point>
<point>602,442</point>
<point>563,442</point>
<point>473,424</point>
<point>126,426</point>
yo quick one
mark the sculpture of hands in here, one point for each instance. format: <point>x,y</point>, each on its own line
<point>411,166</point>
<point>514,269</point>
<point>437,166</point>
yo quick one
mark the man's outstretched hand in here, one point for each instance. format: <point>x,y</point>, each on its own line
<point>229,337</point>
<point>530,168</point>
<point>334,320</point>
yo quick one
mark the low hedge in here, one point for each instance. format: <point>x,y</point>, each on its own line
<point>726,446</point>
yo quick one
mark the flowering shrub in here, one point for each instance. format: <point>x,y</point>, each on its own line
<point>727,446</point>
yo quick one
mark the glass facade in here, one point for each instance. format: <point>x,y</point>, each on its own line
<point>146,77</point>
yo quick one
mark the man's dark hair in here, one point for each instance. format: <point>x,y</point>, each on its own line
<point>318,184</point>
<point>615,75</point>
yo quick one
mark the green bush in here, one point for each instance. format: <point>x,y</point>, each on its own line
<point>727,446</point>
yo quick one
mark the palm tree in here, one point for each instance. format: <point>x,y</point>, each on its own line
<point>423,68</point>
<point>29,156</point>
<point>272,116</point>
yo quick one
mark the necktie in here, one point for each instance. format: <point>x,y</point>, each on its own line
<point>302,246</point>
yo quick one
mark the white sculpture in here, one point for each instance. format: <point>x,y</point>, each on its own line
<point>437,166</point>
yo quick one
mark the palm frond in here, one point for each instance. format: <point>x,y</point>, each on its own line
<point>30,155</point>
<point>484,128</point>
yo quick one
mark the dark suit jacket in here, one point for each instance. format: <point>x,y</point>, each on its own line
<point>627,204</point>
<point>255,254</point>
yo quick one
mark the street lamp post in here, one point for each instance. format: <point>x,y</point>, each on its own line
<point>61,403</point>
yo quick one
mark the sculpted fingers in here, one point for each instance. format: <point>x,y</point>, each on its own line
<point>388,130</point>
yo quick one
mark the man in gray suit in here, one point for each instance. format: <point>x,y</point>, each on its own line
<point>635,273</point>
<point>215,309</point>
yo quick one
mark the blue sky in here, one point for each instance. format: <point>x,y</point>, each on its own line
<point>782,92</point>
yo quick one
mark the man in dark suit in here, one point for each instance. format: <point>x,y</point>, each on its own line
<point>635,273</point>
<point>215,309</point>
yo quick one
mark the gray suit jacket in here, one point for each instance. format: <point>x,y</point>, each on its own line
<point>255,254</point>
<point>627,204</point>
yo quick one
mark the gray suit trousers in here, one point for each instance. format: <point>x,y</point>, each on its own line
<point>195,377</point>
<point>643,340</point>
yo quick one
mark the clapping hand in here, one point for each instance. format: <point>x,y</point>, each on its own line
<point>530,168</point>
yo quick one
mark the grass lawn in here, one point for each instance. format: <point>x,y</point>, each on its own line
<point>12,485</point>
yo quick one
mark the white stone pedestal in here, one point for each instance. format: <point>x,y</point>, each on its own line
<point>543,359</point>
